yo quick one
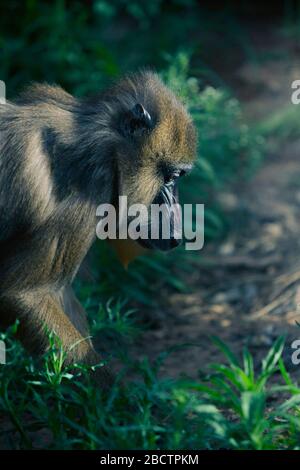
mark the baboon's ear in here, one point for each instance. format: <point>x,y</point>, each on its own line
<point>137,121</point>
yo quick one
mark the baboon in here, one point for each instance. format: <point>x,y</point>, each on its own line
<point>60,157</point>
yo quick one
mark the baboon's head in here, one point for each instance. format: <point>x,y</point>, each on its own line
<point>156,145</point>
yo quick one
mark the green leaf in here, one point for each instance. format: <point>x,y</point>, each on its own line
<point>225,350</point>
<point>248,364</point>
<point>253,407</point>
<point>273,355</point>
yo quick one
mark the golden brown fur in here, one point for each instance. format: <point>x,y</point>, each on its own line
<point>60,158</point>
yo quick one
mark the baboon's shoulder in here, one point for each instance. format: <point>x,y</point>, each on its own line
<point>44,93</point>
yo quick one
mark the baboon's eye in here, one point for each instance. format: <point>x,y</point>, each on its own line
<point>171,177</point>
<point>171,174</point>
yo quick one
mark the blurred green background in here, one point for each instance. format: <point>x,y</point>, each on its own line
<point>194,46</point>
<point>83,45</point>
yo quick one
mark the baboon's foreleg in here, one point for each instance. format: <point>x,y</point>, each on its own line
<point>40,313</point>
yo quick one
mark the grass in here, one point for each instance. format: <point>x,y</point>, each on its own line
<point>234,405</point>
<point>224,408</point>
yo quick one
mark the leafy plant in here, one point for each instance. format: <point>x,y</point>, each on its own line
<point>232,407</point>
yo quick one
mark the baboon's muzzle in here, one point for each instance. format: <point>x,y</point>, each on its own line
<point>164,228</point>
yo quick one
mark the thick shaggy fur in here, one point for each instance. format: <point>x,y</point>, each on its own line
<point>60,158</point>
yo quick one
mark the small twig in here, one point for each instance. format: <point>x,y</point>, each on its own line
<point>288,279</point>
<point>269,307</point>
<point>285,281</point>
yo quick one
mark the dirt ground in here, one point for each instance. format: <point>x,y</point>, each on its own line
<point>247,289</point>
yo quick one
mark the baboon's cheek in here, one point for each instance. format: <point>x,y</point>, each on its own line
<point>127,250</point>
